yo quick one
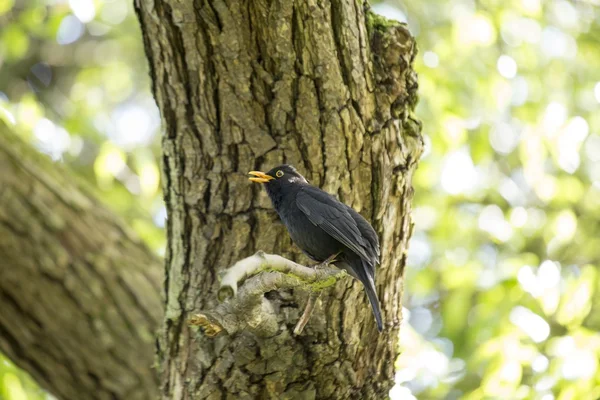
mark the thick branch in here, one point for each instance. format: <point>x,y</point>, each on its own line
<point>247,308</point>
<point>79,293</point>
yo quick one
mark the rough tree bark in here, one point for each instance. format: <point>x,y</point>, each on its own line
<point>79,294</point>
<point>247,84</point>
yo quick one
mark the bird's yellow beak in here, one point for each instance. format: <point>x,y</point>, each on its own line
<point>259,177</point>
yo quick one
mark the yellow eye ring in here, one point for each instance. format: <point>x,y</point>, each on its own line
<point>279,174</point>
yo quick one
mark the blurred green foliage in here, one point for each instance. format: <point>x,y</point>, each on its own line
<point>16,384</point>
<point>502,287</point>
<point>502,284</point>
<point>73,79</point>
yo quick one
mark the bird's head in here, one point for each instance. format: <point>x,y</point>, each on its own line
<point>281,176</point>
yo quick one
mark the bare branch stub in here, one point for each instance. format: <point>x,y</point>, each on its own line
<point>243,285</point>
<point>308,310</point>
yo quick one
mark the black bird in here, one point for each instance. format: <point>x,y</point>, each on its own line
<point>324,228</point>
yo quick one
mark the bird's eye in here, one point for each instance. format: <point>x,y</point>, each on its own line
<point>279,173</point>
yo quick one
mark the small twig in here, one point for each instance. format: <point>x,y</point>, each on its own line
<point>310,305</point>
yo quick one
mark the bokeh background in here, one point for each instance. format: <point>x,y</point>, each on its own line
<point>502,296</point>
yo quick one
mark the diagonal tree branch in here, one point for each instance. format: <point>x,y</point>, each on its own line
<point>79,292</point>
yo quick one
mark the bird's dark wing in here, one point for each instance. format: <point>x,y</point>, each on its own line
<point>333,217</point>
<point>368,233</point>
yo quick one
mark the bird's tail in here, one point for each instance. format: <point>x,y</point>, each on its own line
<point>361,270</point>
<point>369,284</point>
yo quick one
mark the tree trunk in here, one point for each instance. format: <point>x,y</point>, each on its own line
<point>79,294</point>
<point>248,84</point>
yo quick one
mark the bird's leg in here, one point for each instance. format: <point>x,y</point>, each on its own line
<point>328,261</point>
<point>310,305</point>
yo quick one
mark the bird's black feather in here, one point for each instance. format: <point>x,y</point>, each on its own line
<point>360,270</point>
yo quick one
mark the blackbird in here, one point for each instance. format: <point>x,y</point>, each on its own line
<point>324,228</point>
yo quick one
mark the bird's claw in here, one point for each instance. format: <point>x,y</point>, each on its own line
<point>325,264</point>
